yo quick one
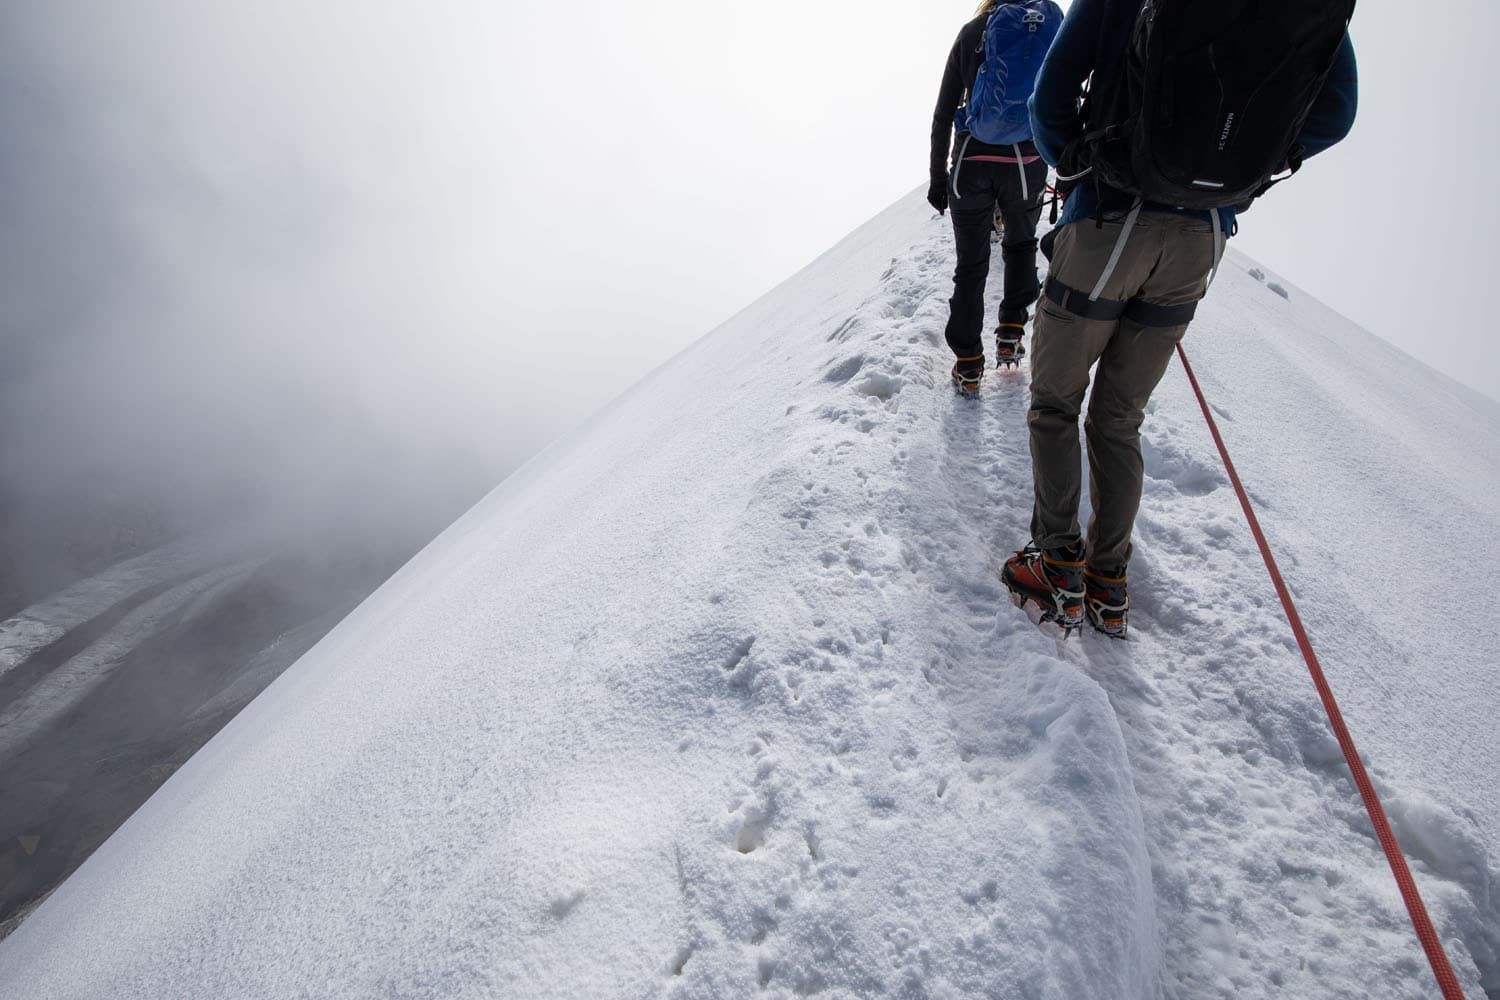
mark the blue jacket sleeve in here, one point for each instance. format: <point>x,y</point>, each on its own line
<point>1332,114</point>
<point>1059,83</point>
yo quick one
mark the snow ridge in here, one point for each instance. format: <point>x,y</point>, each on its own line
<point>720,697</point>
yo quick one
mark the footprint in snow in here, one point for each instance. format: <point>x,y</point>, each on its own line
<point>739,654</point>
<point>753,826</point>
<point>844,331</point>
<point>566,903</point>
<point>987,892</point>
<point>880,385</point>
<point>1187,475</point>
<point>904,306</point>
<point>762,924</point>
<point>845,370</point>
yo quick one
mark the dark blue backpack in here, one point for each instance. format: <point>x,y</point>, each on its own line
<point>1016,39</point>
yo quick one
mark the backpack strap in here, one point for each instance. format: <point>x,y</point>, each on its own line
<point>1293,164</point>
<point>958,163</point>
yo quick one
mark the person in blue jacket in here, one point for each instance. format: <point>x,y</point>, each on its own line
<point>1123,282</point>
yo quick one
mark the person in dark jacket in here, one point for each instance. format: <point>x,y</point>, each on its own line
<point>1125,277</point>
<point>985,181</point>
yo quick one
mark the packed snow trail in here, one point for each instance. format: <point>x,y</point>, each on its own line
<point>720,697</point>
<point>694,705</point>
<point>1264,862</point>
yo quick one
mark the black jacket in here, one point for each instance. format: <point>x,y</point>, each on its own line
<point>958,79</point>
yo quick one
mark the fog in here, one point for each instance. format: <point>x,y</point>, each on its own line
<point>1387,227</point>
<point>350,263</point>
<point>290,285</point>
<point>365,258</point>
<point>304,280</point>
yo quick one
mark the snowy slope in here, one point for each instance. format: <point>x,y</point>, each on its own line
<point>720,697</point>
<point>110,685</point>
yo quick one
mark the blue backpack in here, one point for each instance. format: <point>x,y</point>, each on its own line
<point>1016,39</point>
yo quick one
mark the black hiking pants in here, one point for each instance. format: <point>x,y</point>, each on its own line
<point>977,191</point>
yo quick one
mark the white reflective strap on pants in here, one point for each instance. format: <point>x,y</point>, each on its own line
<point>1114,256</point>
<point>1218,225</point>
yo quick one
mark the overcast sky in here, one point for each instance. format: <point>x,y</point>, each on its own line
<point>463,226</point>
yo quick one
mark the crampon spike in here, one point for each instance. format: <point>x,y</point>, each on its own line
<point>1043,618</point>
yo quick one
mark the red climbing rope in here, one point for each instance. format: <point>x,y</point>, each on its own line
<point>1413,899</point>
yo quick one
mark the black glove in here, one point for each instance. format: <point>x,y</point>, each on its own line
<point>937,194</point>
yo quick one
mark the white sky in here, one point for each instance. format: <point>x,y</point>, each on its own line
<point>1391,227</point>
<point>481,220</point>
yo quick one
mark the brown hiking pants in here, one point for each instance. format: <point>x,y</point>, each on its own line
<point>1165,262</point>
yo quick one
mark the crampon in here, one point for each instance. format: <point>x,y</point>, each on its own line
<point>967,373</point>
<point>1042,617</point>
<point>1008,347</point>
<point>1047,588</point>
